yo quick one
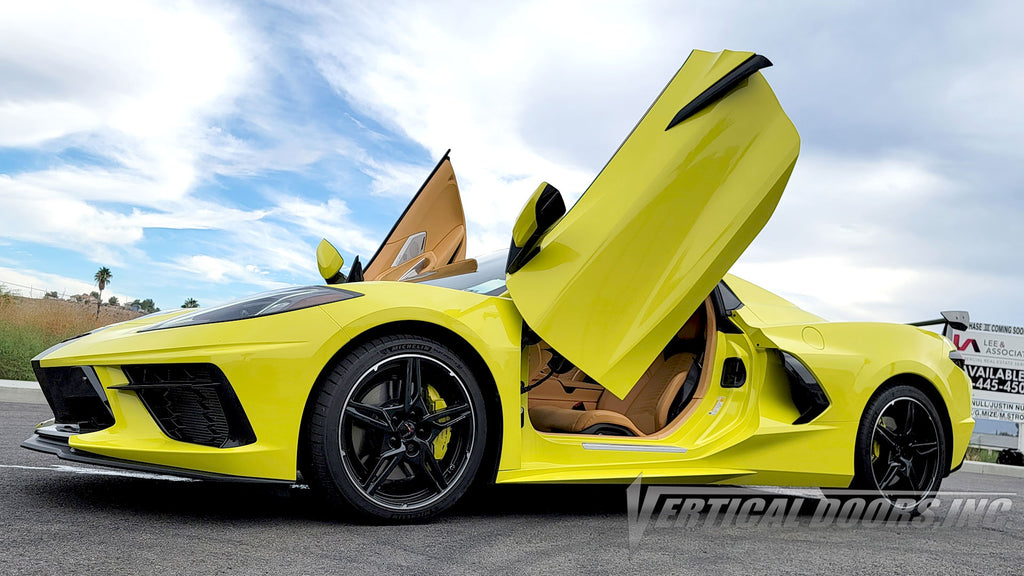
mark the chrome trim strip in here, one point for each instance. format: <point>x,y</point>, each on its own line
<point>632,448</point>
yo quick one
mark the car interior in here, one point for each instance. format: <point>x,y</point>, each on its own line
<point>562,399</point>
<point>430,234</point>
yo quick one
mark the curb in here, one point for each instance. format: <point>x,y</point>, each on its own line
<point>18,391</point>
<point>993,469</point>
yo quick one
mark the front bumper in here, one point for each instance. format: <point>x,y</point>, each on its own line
<point>51,440</point>
<point>185,423</point>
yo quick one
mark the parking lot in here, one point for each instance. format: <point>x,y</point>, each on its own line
<point>61,517</point>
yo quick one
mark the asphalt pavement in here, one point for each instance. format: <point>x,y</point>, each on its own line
<point>64,518</point>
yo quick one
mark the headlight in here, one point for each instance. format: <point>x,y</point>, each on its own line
<point>265,304</point>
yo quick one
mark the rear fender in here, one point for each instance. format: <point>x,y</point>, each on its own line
<point>851,360</point>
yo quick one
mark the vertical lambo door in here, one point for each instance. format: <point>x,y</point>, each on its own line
<point>620,286</point>
<point>430,234</point>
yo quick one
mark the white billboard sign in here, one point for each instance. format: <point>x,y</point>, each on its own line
<point>994,358</point>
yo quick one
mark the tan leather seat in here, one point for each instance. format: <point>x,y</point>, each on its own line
<point>539,355</point>
<point>643,411</point>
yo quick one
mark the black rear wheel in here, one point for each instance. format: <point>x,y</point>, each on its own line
<point>900,447</point>
<point>398,431</point>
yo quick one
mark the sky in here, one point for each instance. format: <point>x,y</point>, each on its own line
<point>202,149</point>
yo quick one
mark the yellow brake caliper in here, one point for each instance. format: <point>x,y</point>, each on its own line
<point>436,405</point>
<point>876,448</point>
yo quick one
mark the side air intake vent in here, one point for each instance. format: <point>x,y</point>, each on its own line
<point>191,403</point>
<point>808,396</point>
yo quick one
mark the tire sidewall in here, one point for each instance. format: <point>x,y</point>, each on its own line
<point>863,477</point>
<point>325,448</point>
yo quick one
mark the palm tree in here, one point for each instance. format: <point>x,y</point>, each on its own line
<point>190,303</point>
<point>102,278</point>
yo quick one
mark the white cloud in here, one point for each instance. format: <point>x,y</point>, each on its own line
<point>144,69</point>
<point>847,240</point>
<point>223,270</point>
<point>63,208</point>
<point>150,94</point>
<point>130,82</point>
<point>137,85</point>
<point>328,219</point>
<point>473,82</point>
<point>834,287</point>
<point>141,86</point>
<point>30,123</point>
<point>540,93</point>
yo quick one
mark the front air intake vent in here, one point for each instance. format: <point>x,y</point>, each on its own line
<point>191,403</point>
<point>75,396</point>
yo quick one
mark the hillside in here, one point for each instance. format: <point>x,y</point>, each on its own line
<point>30,325</point>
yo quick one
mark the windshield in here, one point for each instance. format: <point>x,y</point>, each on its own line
<point>488,278</point>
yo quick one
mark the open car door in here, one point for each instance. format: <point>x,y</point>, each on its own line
<point>662,223</point>
<point>430,233</point>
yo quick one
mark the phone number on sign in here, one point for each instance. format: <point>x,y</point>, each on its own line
<point>993,385</point>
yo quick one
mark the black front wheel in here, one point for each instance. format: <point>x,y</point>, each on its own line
<point>398,431</point>
<point>901,450</point>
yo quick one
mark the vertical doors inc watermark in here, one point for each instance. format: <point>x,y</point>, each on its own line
<point>695,507</point>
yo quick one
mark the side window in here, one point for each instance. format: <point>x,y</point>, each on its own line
<point>730,303</point>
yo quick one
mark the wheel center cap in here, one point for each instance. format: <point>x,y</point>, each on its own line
<point>406,430</point>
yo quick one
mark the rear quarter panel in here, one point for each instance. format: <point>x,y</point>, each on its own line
<point>853,360</point>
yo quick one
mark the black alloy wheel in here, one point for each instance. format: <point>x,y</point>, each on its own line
<point>901,451</point>
<point>399,429</point>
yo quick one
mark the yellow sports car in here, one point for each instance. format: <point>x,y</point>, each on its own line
<point>606,343</point>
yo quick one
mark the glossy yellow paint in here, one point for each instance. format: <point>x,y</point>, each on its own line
<point>852,359</point>
<point>526,225</point>
<point>273,362</point>
<point>737,436</point>
<point>328,260</point>
<point>660,225</point>
<point>490,325</point>
<point>746,435</point>
<point>742,435</point>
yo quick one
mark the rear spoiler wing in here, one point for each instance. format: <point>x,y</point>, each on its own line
<point>955,319</point>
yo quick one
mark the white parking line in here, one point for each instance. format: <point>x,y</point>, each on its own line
<point>122,473</point>
<point>101,472</point>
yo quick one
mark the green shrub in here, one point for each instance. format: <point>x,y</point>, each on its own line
<point>28,326</point>
<point>976,454</point>
<point>18,345</point>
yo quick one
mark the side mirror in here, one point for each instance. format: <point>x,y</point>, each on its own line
<point>329,260</point>
<point>542,210</point>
